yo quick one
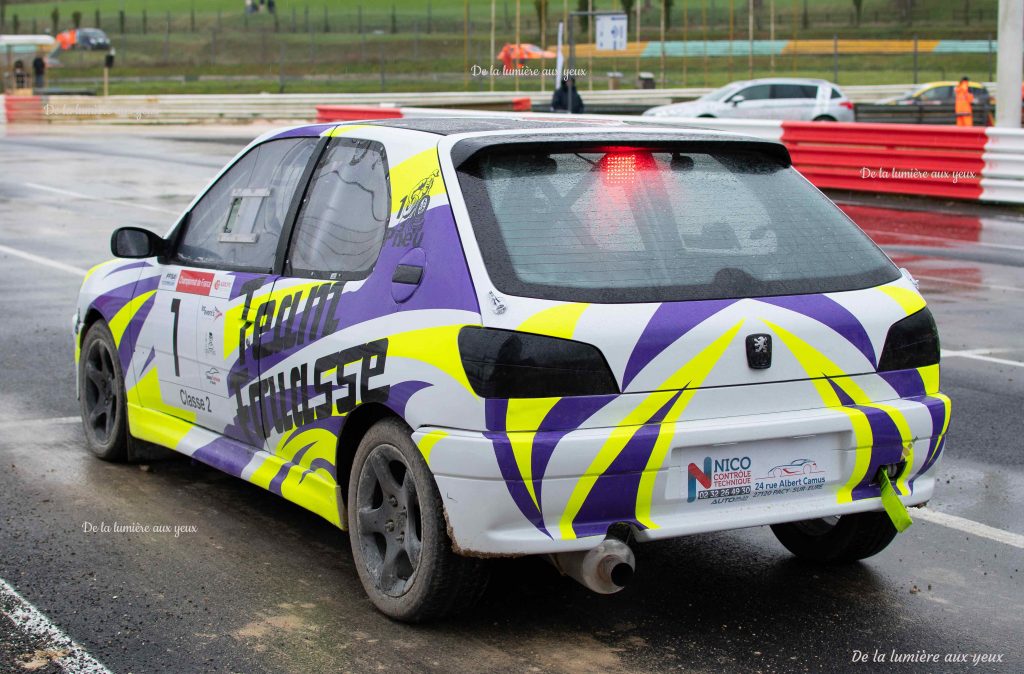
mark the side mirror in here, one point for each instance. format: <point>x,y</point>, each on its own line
<point>135,242</point>
<point>737,99</point>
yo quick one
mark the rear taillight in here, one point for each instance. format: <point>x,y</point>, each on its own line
<point>508,364</point>
<point>846,104</point>
<point>911,342</point>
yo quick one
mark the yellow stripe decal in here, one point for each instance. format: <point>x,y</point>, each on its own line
<point>119,323</point>
<point>690,374</point>
<point>558,321</point>
<point>428,441</point>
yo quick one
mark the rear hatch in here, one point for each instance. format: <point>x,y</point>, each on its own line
<point>688,264</point>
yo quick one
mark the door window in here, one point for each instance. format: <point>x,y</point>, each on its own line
<point>758,92</point>
<point>341,224</point>
<point>794,91</point>
<point>238,222</point>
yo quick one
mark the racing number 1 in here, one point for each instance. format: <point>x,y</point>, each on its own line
<point>175,306</point>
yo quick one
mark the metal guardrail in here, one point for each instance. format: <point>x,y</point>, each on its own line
<point>177,108</point>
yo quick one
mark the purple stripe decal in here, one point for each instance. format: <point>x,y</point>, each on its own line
<point>669,323</point>
<point>906,383</point>
<point>565,416</point>
<point>613,497</point>
<point>937,410</point>
<point>282,473</point>
<point>310,131</point>
<point>886,448</point>
<point>126,349</point>
<point>149,359</point>
<point>225,454</point>
<point>513,480</point>
<point>126,267</point>
<point>828,312</point>
<point>398,396</point>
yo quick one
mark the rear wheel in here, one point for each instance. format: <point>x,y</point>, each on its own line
<point>101,395</point>
<point>837,540</point>
<point>399,535</point>
<point>824,118</point>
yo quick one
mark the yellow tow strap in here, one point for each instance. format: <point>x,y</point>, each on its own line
<point>893,506</point>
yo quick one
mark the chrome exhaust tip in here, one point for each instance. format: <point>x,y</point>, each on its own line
<point>605,569</point>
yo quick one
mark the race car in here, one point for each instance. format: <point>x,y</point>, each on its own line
<point>469,337</point>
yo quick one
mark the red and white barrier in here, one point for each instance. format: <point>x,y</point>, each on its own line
<point>975,163</point>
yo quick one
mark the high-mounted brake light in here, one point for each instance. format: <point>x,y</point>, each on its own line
<point>620,168</point>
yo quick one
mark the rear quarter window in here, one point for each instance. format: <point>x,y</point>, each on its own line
<point>643,225</point>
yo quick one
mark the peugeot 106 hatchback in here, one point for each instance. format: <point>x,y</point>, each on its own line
<point>468,338</point>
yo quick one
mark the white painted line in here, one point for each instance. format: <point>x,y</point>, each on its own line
<point>5,425</point>
<point>973,284</point>
<point>30,621</point>
<point>38,259</point>
<point>969,526</point>
<point>974,355</point>
<point>118,202</point>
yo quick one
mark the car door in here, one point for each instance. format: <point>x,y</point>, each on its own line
<point>755,104</point>
<point>171,377</point>
<point>317,364</point>
<point>239,224</point>
<point>793,101</point>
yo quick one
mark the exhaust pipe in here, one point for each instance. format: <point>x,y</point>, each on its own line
<point>605,569</point>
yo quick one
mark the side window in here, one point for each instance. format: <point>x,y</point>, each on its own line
<point>938,94</point>
<point>238,222</point>
<point>793,91</point>
<point>341,225</point>
<point>758,92</point>
<point>836,94</point>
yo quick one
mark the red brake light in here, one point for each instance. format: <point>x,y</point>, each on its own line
<point>620,168</point>
<point>847,104</point>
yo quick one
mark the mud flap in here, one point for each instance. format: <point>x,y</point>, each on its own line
<point>893,506</point>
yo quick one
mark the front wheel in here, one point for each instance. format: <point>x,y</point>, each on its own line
<point>399,535</point>
<point>101,395</point>
<point>837,540</point>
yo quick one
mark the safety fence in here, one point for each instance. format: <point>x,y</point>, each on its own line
<point>968,163</point>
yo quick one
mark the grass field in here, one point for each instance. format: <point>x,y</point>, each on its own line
<point>401,45</point>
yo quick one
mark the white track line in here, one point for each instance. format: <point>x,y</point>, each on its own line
<point>38,259</point>
<point>969,526</point>
<point>118,202</point>
<point>975,355</point>
<point>973,284</point>
<point>30,621</point>
<point>4,425</point>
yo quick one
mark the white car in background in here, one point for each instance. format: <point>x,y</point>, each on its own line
<point>788,98</point>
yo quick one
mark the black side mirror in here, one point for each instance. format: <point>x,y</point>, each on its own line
<point>135,242</point>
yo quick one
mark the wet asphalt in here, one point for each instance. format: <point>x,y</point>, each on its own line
<point>256,584</point>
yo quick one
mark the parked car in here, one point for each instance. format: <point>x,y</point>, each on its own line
<point>462,338</point>
<point>773,98</point>
<point>939,93</point>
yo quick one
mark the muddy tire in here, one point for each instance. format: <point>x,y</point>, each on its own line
<point>399,535</point>
<point>101,395</point>
<point>837,540</point>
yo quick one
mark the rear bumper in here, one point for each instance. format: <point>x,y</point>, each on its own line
<point>552,491</point>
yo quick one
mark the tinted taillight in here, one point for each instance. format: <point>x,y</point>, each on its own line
<point>911,342</point>
<point>508,364</point>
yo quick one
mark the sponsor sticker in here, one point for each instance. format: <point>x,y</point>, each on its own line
<point>195,282</point>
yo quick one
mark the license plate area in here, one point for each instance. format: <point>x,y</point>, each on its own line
<point>765,470</point>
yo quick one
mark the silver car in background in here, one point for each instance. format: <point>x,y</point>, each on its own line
<point>789,98</point>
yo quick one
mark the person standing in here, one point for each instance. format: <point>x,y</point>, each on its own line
<point>20,75</point>
<point>962,107</point>
<point>39,71</point>
<point>567,98</point>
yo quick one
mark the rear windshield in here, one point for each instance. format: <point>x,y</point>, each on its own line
<point>644,225</point>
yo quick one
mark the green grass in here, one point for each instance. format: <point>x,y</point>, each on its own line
<point>264,51</point>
